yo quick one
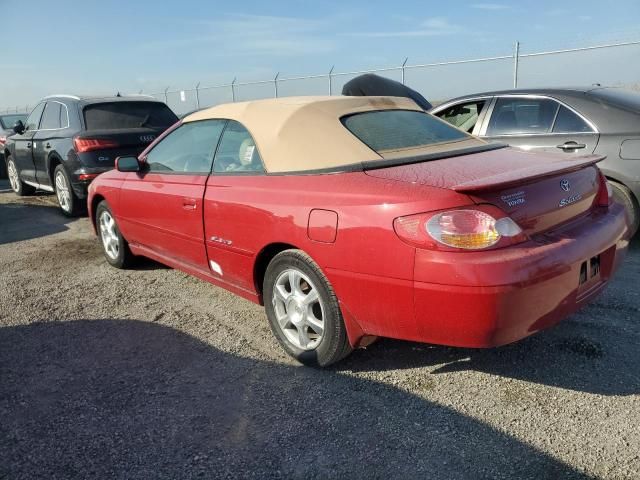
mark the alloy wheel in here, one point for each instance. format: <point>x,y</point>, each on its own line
<point>109,235</point>
<point>63,193</point>
<point>299,309</point>
<point>12,173</point>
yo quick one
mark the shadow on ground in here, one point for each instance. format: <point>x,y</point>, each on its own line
<point>130,399</point>
<point>26,220</point>
<point>563,357</point>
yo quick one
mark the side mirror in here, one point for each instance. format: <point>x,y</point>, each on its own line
<point>18,127</point>
<point>127,164</point>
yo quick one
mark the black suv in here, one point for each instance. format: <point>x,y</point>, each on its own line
<point>67,141</point>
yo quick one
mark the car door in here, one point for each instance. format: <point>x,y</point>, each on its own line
<point>233,229</point>
<point>23,142</point>
<point>54,119</point>
<point>466,114</point>
<point>539,124</point>
<point>160,208</point>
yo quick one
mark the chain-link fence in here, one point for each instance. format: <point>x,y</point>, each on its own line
<point>610,64</point>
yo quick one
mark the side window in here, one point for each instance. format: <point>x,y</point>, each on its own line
<point>33,120</point>
<point>51,116</point>
<point>64,116</point>
<point>512,116</point>
<point>237,151</point>
<point>464,115</point>
<point>568,122</point>
<point>188,149</point>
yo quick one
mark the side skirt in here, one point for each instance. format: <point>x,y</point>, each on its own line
<point>137,249</point>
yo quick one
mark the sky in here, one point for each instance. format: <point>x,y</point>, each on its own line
<point>88,47</point>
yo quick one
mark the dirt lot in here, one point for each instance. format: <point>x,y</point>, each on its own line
<point>149,373</point>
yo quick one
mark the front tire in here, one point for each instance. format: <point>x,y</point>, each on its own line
<point>623,195</point>
<point>18,186</point>
<point>303,310</point>
<point>68,201</point>
<point>114,246</point>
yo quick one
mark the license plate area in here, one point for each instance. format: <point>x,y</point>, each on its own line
<point>589,275</point>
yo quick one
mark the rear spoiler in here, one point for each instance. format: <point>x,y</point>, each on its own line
<point>527,174</point>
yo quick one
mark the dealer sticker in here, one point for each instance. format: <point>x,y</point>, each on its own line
<point>514,199</point>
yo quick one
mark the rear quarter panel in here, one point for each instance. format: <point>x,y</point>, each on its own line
<point>106,187</point>
<point>367,265</point>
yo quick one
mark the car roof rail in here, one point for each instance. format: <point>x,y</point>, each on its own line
<point>138,95</point>
<point>62,95</point>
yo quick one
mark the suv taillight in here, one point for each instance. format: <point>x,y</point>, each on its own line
<point>3,139</point>
<point>477,227</point>
<point>89,144</point>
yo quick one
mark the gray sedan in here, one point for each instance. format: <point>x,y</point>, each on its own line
<point>570,121</point>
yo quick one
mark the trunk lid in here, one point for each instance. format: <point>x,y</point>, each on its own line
<point>130,137</point>
<point>538,191</point>
<point>112,143</point>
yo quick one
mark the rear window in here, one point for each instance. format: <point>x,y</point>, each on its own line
<point>619,97</point>
<point>125,115</point>
<point>388,130</point>
<point>8,121</point>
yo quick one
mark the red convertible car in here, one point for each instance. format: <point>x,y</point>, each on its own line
<point>351,218</point>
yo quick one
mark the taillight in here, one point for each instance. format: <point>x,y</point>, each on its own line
<point>87,176</point>
<point>475,228</point>
<point>89,144</point>
<point>3,140</point>
<point>604,191</point>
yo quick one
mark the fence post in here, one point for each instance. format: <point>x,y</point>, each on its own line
<point>330,81</point>
<point>197,96</point>
<point>275,85</point>
<point>166,99</point>
<point>233,90</point>
<point>516,57</point>
<point>403,65</point>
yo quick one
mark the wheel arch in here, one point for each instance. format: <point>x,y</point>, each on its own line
<point>97,198</point>
<point>53,160</point>
<point>263,259</point>
<point>614,179</point>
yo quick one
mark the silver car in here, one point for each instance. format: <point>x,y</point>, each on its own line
<point>570,121</point>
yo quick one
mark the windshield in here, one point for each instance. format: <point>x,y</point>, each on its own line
<point>124,115</point>
<point>8,121</point>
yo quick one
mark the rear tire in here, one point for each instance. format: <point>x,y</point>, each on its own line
<point>114,246</point>
<point>68,201</point>
<point>623,195</point>
<point>303,310</point>
<point>18,186</point>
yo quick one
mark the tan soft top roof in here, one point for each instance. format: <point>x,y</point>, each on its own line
<point>305,133</point>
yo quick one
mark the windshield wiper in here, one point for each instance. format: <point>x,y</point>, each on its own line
<point>146,119</point>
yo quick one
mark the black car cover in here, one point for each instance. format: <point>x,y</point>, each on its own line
<point>374,85</point>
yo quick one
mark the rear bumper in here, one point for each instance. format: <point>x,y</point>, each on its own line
<point>486,299</point>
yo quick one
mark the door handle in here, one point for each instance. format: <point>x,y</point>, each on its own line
<point>189,203</point>
<point>571,146</point>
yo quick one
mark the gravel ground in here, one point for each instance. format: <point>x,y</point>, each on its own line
<point>149,373</point>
